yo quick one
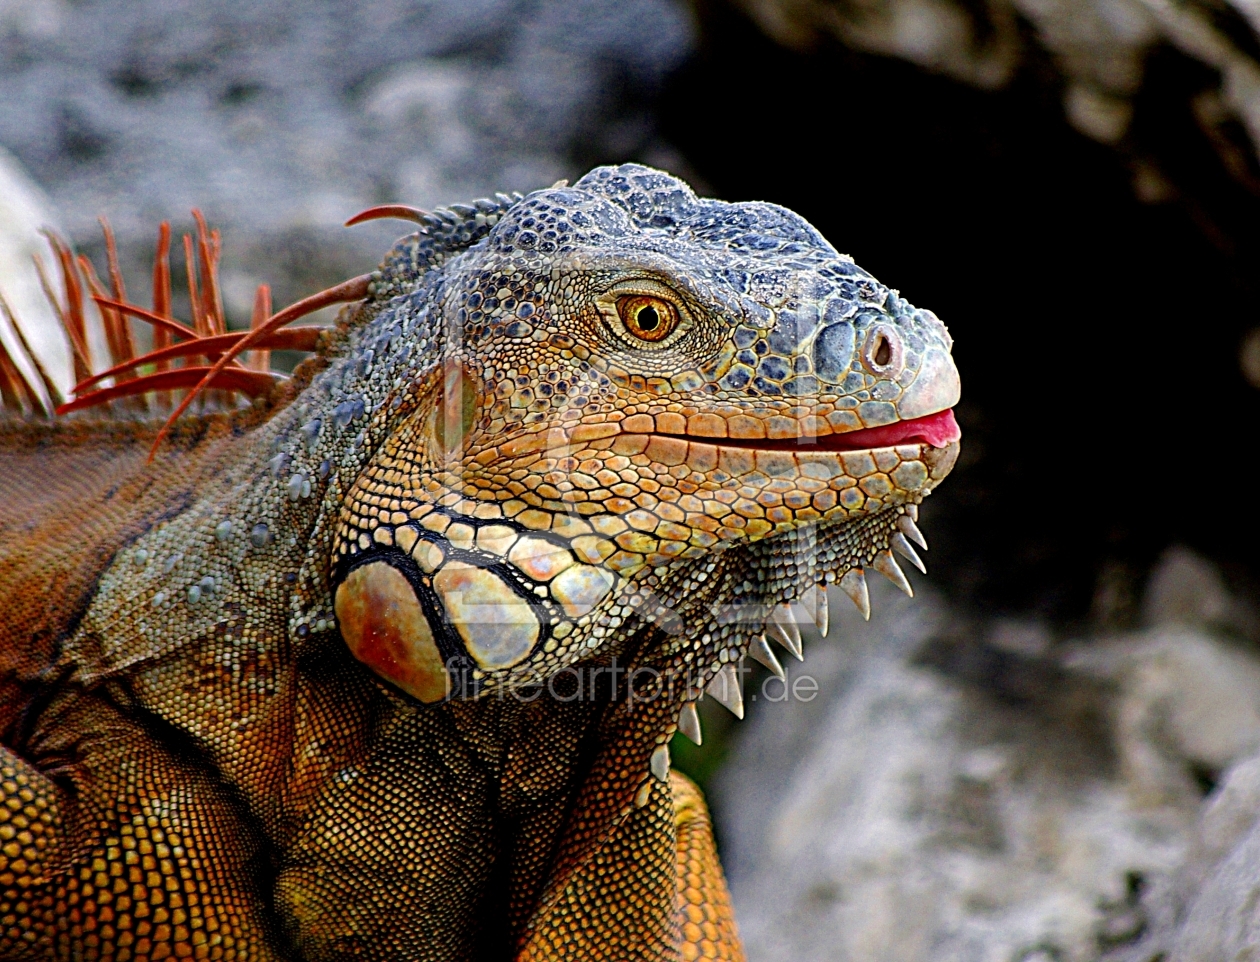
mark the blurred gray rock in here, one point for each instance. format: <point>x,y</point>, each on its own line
<point>1228,816</point>
<point>1185,588</point>
<point>282,119</point>
<point>1187,706</point>
<point>24,210</point>
<point>1199,703</point>
<point>983,793</point>
<point>1224,920</point>
<point>1205,909</point>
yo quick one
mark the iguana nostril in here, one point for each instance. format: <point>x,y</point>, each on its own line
<point>883,351</point>
<point>883,354</point>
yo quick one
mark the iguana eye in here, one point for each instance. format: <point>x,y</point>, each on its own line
<point>647,318</point>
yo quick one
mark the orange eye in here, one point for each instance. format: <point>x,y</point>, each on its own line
<point>648,318</point>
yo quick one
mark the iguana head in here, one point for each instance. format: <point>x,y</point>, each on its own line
<point>623,402</point>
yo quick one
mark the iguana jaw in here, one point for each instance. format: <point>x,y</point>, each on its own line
<point>936,430</point>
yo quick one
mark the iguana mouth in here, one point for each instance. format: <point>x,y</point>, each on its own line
<point>937,430</point>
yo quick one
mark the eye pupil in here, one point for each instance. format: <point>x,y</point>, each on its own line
<point>647,318</point>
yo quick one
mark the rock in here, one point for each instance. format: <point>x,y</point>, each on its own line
<point>963,792</point>
<point>1228,815</point>
<point>1223,924</point>
<point>1185,589</point>
<point>1187,707</point>
<point>24,212</point>
<point>1189,704</point>
<point>1205,908</point>
<point>915,817</point>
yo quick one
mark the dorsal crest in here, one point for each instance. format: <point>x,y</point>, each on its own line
<point>203,354</point>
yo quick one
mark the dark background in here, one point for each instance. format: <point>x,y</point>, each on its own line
<point>1105,414</point>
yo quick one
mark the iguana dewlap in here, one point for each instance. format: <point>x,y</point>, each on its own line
<point>386,668</point>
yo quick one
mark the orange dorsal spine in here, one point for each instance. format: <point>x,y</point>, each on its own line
<point>172,364</point>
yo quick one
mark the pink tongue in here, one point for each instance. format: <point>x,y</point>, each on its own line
<point>937,430</point>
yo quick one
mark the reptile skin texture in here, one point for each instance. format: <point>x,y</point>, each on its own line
<point>386,666</point>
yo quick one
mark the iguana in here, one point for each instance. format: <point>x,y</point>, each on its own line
<point>386,665</point>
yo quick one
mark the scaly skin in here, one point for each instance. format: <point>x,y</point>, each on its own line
<point>307,687</point>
